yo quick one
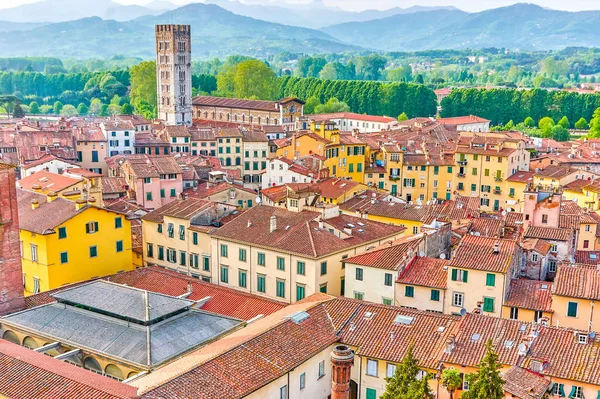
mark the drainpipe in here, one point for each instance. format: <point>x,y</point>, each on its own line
<point>359,376</point>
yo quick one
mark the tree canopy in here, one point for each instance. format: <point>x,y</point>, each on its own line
<point>487,382</point>
<point>405,383</point>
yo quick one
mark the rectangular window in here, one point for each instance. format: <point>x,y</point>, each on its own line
<point>64,257</point>
<point>171,255</point>
<point>149,250</point>
<point>182,258</point>
<point>321,369</point>
<point>224,250</point>
<point>372,367</point>
<point>280,263</point>
<point>260,283</point>
<point>280,288</point>
<point>388,279</point>
<point>359,274</point>
<point>572,309</point>
<point>552,266</point>
<point>300,292</point>
<point>182,232</point>
<point>488,304</point>
<point>283,392</point>
<point>435,295</point>
<point>159,229</point>
<point>474,171</point>
<point>194,261</point>
<point>242,278</point>
<point>161,252</point>
<point>206,263</point>
<point>36,285</point>
<point>323,288</point>
<point>91,227</point>
<point>545,219</point>
<point>460,275</point>
<point>386,301</point>
<point>224,274</point>
<point>301,266</point>
<point>514,313</point>
<point>490,280</point>
<point>390,370</point>
<point>261,259</point>
<point>359,295</point>
<point>173,192</point>
<point>118,222</point>
<point>93,251</point>
<point>149,196</point>
<point>119,246</point>
<point>62,233</point>
<point>162,193</point>
<point>409,291</point>
<point>302,381</point>
<point>323,268</point>
<point>195,238</point>
<point>242,255</point>
<point>458,299</point>
<point>171,230</point>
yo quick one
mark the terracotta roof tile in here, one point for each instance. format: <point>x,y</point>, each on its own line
<point>27,374</point>
<point>48,181</point>
<point>462,120</point>
<point>548,233</point>
<point>385,257</point>
<point>180,209</point>
<point>477,253</point>
<point>524,384</point>
<point>577,281</point>
<point>48,215</point>
<point>425,272</point>
<point>522,176</point>
<point>114,185</point>
<point>587,257</point>
<point>530,294</point>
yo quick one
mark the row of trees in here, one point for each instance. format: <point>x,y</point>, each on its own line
<point>364,97</point>
<point>486,383</point>
<point>502,105</point>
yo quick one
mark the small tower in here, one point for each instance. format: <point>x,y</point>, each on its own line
<point>174,73</point>
<point>11,275</point>
<point>342,359</point>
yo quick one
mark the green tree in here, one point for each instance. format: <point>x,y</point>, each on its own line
<point>529,122</point>
<point>564,122</point>
<point>95,106</point>
<point>560,133</point>
<point>18,112</point>
<point>82,109</point>
<point>58,106</point>
<point>104,110</point>
<point>7,102</point>
<point>402,117</point>
<point>510,125</point>
<point>404,384</point>
<point>311,104</point>
<point>34,108</point>
<point>126,109</point>
<point>248,79</point>
<point>332,106</point>
<point>545,124</point>
<point>45,109</point>
<point>581,124</point>
<point>595,124</point>
<point>68,111</point>
<point>143,89</point>
<point>487,382</point>
<point>451,380</point>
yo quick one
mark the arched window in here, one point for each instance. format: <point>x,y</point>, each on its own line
<point>132,373</point>
<point>228,117</point>
<point>227,161</point>
<point>235,118</point>
<point>251,118</point>
<point>114,372</point>
<point>238,161</point>
<point>213,115</point>
<point>220,116</point>
<point>275,121</point>
<point>205,114</point>
<point>92,364</point>
<point>259,119</point>
<point>267,120</point>
<point>243,118</point>
<point>30,343</point>
<point>11,337</point>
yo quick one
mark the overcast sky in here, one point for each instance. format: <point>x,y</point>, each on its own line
<point>467,5</point>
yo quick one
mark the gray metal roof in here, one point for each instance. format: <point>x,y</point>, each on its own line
<point>126,302</point>
<point>114,337</point>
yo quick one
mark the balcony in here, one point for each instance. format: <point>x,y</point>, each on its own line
<point>497,191</point>
<point>462,162</point>
<point>498,179</point>
<point>394,177</point>
<point>460,174</point>
<point>460,187</point>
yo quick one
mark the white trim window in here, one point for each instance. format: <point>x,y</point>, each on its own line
<point>372,366</point>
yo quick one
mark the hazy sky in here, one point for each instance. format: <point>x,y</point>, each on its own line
<point>468,5</point>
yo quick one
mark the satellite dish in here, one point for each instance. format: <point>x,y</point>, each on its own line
<point>463,311</point>
<point>592,335</point>
<point>258,200</point>
<point>504,213</point>
<point>443,256</point>
<point>421,254</point>
<point>522,348</point>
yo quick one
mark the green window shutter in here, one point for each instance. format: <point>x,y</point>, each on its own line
<point>490,280</point>
<point>561,390</point>
<point>371,393</point>
<point>572,309</point>
<point>301,268</point>
<point>120,246</point>
<point>182,258</point>
<point>435,295</point>
<point>413,182</point>
<point>87,229</point>
<point>488,304</point>
<point>454,274</point>
<point>280,263</point>
<point>323,288</point>
<point>62,232</point>
<point>118,223</point>
<point>64,257</point>
<point>300,292</point>
<point>573,391</point>
<point>280,285</point>
<point>465,276</point>
<point>224,250</point>
<point>449,169</point>
<point>224,275</point>
<point>173,192</point>
<point>323,268</point>
<point>195,238</point>
<point>351,168</point>
<point>261,259</point>
<point>511,192</point>
<point>409,291</point>
<point>260,284</point>
<point>359,167</point>
<point>473,187</point>
<point>404,182</point>
<point>162,193</point>
<point>436,170</point>
<point>161,253</point>
<point>242,278</point>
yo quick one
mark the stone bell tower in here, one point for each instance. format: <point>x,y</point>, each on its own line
<point>174,73</point>
<point>11,275</point>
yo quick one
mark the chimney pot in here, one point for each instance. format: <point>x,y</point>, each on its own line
<point>80,203</point>
<point>342,358</point>
<point>51,196</point>
<point>34,204</point>
<point>273,225</point>
<point>37,188</point>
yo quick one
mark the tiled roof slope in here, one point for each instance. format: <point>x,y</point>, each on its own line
<point>27,374</point>
<point>524,384</point>
<point>577,281</point>
<point>425,272</point>
<point>530,294</point>
<point>384,257</point>
<point>548,233</point>
<point>478,253</point>
<point>180,209</point>
<point>48,215</point>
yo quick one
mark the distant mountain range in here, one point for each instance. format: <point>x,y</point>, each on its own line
<point>219,32</point>
<point>520,26</point>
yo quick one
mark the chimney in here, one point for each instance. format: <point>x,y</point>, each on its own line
<point>342,358</point>
<point>450,343</point>
<point>34,204</point>
<point>51,196</point>
<point>273,226</point>
<point>80,203</point>
<point>92,201</point>
<point>496,247</point>
<point>37,188</point>
<point>190,287</point>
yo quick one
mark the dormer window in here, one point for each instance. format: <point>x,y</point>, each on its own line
<point>537,366</point>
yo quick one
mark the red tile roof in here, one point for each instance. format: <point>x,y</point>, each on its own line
<point>477,253</point>
<point>577,281</point>
<point>587,257</point>
<point>462,120</point>
<point>522,176</point>
<point>425,272</point>
<point>524,384</point>
<point>224,301</point>
<point>180,209</point>
<point>353,116</point>
<point>548,233</point>
<point>537,245</point>
<point>27,374</point>
<point>530,294</point>
<point>335,188</point>
<point>209,101</point>
<point>48,181</point>
<point>386,257</point>
<point>114,185</point>
<point>47,215</point>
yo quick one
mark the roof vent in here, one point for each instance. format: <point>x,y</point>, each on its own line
<point>509,344</point>
<point>496,247</point>
<point>369,315</point>
<point>441,329</point>
<point>475,337</point>
<point>402,319</point>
